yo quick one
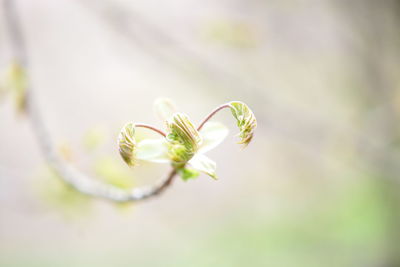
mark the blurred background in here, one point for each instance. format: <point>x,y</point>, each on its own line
<point>318,186</point>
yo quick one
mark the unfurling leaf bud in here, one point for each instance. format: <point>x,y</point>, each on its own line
<point>183,138</point>
<point>246,121</point>
<point>127,144</point>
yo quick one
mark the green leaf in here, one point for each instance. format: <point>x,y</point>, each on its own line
<point>204,164</point>
<point>213,133</point>
<point>164,108</point>
<point>188,173</point>
<point>246,121</point>
<point>154,150</point>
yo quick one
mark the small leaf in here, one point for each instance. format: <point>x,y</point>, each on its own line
<point>246,121</point>
<point>164,108</point>
<point>213,133</point>
<point>154,150</point>
<point>127,144</point>
<point>188,173</point>
<point>204,164</point>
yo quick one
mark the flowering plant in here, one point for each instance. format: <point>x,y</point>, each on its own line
<point>184,145</point>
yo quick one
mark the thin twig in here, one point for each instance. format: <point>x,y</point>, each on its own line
<point>209,116</point>
<point>68,173</point>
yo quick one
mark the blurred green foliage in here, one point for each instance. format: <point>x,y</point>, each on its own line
<point>16,83</point>
<point>350,231</point>
<point>111,171</point>
<point>230,33</point>
<point>61,197</point>
<point>94,138</point>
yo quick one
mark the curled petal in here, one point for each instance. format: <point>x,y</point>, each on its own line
<point>127,144</point>
<point>183,138</point>
<point>246,121</point>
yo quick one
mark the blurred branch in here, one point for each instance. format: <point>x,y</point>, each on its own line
<point>68,173</point>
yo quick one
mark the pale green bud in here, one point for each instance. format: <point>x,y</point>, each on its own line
<point>183,138</point>
<point>246,121</point>
<point>127,144</point>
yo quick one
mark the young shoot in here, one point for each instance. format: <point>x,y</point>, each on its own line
<point>184,145</point>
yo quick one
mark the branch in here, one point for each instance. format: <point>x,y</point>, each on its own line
<point>68,173</point>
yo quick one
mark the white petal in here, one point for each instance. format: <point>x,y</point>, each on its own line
<point>204,164</point>
<point>164,108</point>
<point>213,133</point>
<point>154,150</point>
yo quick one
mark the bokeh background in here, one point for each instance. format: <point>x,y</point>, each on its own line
<point>318,186</point>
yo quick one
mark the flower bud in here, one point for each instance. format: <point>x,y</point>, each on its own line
<point>183,138</point>
<point>127,144</point>
<point>246,121</point>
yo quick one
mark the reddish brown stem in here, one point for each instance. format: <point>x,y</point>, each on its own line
<point>165,184</point>
<point>142,125</point>
<point>209,116</point>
